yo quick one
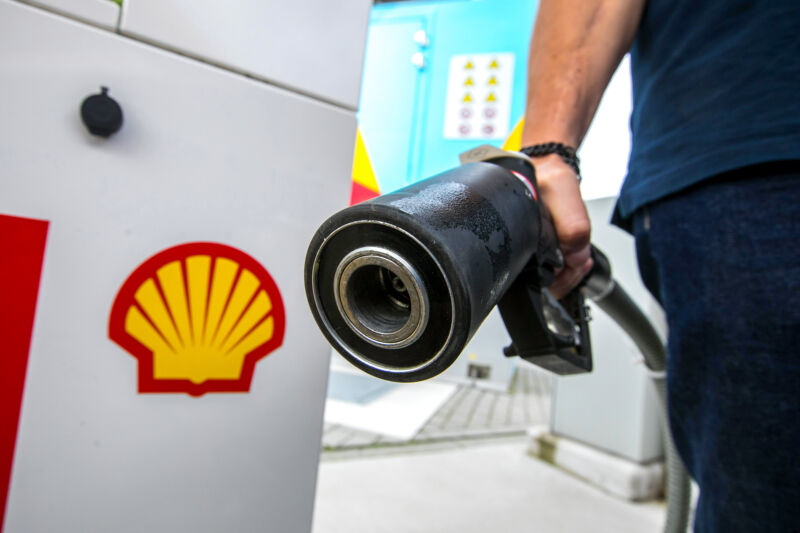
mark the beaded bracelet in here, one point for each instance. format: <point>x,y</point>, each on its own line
<point>567,153</point>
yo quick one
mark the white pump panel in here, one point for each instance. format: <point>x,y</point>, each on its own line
<point>104,13</point>
<point>312,46</point>
<point>203,155</point>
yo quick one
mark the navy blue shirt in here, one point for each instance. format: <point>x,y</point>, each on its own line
<point>716,86</point>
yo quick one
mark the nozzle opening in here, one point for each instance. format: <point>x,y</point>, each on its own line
<point>382,297</point>
<point>379,299</point>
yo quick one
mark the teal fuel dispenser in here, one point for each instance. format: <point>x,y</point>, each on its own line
<point>440,77</point>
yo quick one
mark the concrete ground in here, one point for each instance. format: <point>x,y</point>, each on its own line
<point>466,470</point>
<point>470,413</point>
<point>480,486</point>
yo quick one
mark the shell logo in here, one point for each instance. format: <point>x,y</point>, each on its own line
<point>198,317</point>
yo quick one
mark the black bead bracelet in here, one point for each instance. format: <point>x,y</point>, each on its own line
<point>567,153</point>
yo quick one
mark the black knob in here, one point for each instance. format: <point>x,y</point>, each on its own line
<point>101,114</point>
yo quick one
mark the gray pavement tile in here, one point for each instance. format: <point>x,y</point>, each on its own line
<point>361,438</point>
<point>336,436</point>
<point>470,413</point>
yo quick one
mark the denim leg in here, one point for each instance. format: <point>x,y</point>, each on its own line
<point>723,260</point>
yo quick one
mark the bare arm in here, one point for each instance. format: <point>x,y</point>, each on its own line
<point>576,47</point>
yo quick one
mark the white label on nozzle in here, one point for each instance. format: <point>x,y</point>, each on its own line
<point>527,183</point>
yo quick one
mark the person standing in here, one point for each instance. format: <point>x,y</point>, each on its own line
<point>712,197</point>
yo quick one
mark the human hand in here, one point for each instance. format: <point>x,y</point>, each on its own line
<point>560,191</point>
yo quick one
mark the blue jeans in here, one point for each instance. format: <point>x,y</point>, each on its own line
<point>723,258</point>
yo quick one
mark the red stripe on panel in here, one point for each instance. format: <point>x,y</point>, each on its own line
<point>359,193</point>
<point>22,243</point>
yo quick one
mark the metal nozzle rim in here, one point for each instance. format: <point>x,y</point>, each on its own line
<point>374,312</point>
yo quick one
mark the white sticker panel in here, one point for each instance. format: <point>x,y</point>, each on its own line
<point>478,102</point>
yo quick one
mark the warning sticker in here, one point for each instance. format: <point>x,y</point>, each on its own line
<point>478,101</point>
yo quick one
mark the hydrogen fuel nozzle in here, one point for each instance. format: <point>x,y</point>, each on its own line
<point>400,283</point>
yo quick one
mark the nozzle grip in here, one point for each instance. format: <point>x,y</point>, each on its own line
<point>526,307</point>
<point>522,309</point>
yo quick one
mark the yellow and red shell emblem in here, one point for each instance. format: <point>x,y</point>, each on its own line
<point>198,317</point>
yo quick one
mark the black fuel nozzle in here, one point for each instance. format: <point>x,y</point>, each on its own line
<point>400,283</point>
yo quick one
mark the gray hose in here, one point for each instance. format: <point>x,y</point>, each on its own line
<point>619,306</point>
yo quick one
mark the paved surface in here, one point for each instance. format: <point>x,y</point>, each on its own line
<point>471,413</point>
<point>465,471</point>
<point>479,487</point>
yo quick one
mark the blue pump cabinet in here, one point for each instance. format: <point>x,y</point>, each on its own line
<point>441,77</point>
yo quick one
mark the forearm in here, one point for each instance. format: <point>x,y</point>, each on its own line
<point>576,47</point>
